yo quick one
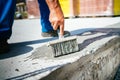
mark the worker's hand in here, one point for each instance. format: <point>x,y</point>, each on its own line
<point>56,16</point>
<point>57,20</point>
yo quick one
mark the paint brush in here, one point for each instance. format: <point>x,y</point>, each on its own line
<point>63,46</point>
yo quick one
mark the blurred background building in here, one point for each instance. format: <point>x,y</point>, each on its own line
<point>21,10</point>
<point>73,8</point>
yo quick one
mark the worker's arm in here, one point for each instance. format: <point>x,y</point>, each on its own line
<point>56,15</point>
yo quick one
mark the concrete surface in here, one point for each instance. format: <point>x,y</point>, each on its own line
<point>23,63</point>
<point>99,64</point>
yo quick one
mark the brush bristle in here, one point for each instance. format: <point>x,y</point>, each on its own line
<point>64,46</point>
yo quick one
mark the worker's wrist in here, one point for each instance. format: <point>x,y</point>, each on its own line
<point>53,4</point>
<point>56,10</point>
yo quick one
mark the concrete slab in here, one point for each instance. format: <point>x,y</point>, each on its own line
<point>23,63</point>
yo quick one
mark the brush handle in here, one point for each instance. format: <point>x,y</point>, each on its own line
<point>59,35</point>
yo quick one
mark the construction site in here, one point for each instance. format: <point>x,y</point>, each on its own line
<point>94,23</point>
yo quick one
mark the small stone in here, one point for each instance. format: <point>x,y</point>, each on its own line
<point>16,69</point>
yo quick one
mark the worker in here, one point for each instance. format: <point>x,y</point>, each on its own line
<point>50,10</point>
<point>52,18</point>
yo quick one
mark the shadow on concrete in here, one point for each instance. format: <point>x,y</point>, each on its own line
<point>23,47</point>
<point>110,28</point>
<point>108,32</point>
<point>28,75</point>
<point>38,53</point>
<point>81,31</point>
<point>17,49</point>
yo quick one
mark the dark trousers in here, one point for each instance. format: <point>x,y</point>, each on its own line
<point>7,10</point>
<point>44,18</point>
